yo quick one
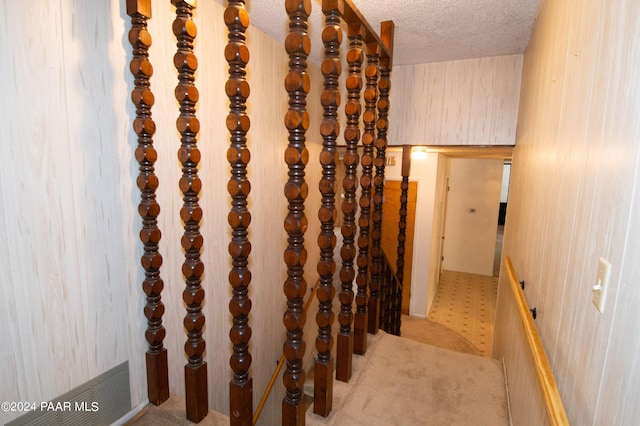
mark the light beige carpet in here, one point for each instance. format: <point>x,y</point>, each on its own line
<point>172,412</point>
<point>398,382</point>
<point>433,333</point>
<point>403,382</point>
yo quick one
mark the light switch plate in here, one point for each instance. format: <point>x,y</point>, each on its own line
<point>602,284</point>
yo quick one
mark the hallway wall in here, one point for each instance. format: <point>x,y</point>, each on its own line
<point>71,299</point>
<point>465,102</point>
<point>575,196</point>
<point>472,215</point>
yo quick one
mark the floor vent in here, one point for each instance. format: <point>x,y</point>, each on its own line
<point>100,401</point>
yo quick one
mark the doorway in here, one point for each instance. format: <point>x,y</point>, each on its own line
<point>471,237</point>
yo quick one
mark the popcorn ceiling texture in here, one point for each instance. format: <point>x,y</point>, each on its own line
<point>426,30</point>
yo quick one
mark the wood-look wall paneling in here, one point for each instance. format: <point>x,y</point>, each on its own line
<point>465,102</point>
<point>67,208</point>
<point>574,198</point>
<point>68,219</point>
<point>527,383</point>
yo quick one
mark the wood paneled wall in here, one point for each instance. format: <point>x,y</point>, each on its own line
<point>71,299</point>
<point>466,102</point>
<point>67,206</point>
<point>575,197</point>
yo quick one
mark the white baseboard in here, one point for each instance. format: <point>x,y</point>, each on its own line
<point>131,414</point>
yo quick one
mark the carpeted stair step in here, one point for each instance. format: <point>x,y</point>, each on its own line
<point>172,412</point>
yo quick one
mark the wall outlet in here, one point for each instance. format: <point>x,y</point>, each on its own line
<point>602,284</point>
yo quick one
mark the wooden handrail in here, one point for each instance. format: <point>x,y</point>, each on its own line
<point>353,15</point>
<point>553,401</point>
<point>267,391</point>
<point>269,388</point>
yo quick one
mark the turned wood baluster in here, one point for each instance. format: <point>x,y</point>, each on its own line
<point>298,84</point>
<point>377,277</point>
<point>402,229</point>
<point>382,282</point>
<point>368,138</point>
<point>377,262</point>
<point>349,204</point>
<point>381,146</point>
<point>237,88</point>
<point>329,129</point>
<point>387,36</point>
<point>149,209</point>
<point>386,302</point>
<point>390,291</point>
<point>189,155</point>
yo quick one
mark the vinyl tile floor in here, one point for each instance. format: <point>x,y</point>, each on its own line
<point>466,303</point>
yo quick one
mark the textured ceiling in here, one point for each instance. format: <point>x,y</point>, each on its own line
<point>426,30</point>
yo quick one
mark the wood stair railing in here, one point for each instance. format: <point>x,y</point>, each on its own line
<point>391,299</point>
<point>374,282</point>
<point>556,411</point>
<point>280,364</point>
<point>297,82</point>
<point>392,308</point>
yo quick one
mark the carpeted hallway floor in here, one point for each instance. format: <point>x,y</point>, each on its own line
<point>403,382</point>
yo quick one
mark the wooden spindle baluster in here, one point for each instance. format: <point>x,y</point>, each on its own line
<point>298,84</point>
<point>397,311</point>
<point>377,277</point>
<point>392,291</point>
<point>402,229</point>
<point>237,88</point>
<point>361,320</point>
<point>330,129</point>
<point>188,125</point>
<point>376,251</point>
<point>349,204</point>
<point>149,209</point>
<point>382,280</point>
<point>387,290</point>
